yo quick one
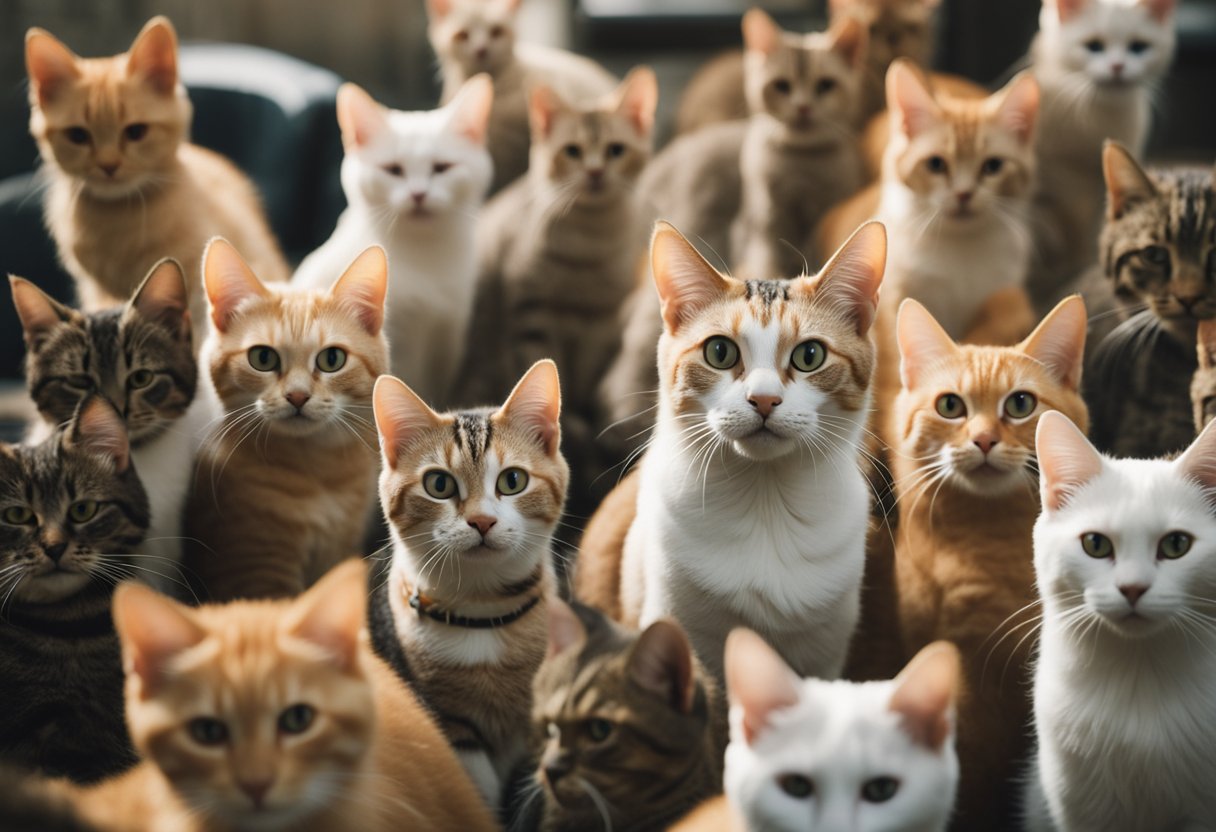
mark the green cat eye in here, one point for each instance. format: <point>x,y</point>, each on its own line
<point>951,406</point>
<point>135,132</point>
<point>721,353</point>
<point>331,359</point>
<point>78,135</point>
<point>18,515</point>
<point>1097,545</point>
<point>809,356</point>
<point>879,789</point>
<point>1157,255</point>
<point>573,151</point>
<point>599,729</point>
<point>297,718</point>
<point>782,86</point>
<point>82,511</point>
<point>936,164</point>
<point>615,150</point>
<point>797,786</point>
<point>140,379</point>
<point>208,731</point>
<point>263,359</point>
<point>512,481</point>
<point>992,165</point>
<point>1174,545</point>
<point>439,484</point>
<point>1020,404</point>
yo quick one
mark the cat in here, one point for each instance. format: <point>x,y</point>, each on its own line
<point>765,389</point>
<point>472,499</point>
<point>273,716</point>
<point>112,134</point>
<point>1097,63</point>
<point>474,36</point>
<point>808,755</point>
<point>414,183</point>
<point>1203,383</point>
<point>963,463</point>
<point>1122,685</point>
<point>285,486</point>
<point>139,355</point>
<point>624,721</point>
<point>72,513</point>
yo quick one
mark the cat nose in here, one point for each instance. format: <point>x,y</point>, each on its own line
<point>1116,69</point>
<point>556,766</point>
<point>482,523</point>
<point>1188,301</point>
<point>482,52</point>
<point>256,789</point>
<point>596,174</point>
<point>419,197</point>
<point>298,399</point>
<point>986,442</point>
<point>804,111</point>
<point>55,551</point>
<point>110,169</point>
<point>963,197</point>
<point>764,404</point>
<point>1133,592</point>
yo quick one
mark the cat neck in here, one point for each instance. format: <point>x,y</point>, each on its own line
<point>337,445</point>
<point>432,233</point>
<point>778,137</point>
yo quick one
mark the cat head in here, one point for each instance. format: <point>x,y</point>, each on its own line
<point>112,124</point>
<point>962,159</point>
<point>896,29</point>
<point>70,508</point>
<point>769,367</point>
<point>476,35</point>
<point>967,414</point>
<point>298,361</point>
<point>595,153</point>
<point>417,167</point>
<point>1106,43</point>
<point>258,713</point>
<point>619,715</point>
<point>1128,543</point>
<point>1203,383</point>
<point>1158,244</point>
<point>478,487</point>
<point>139,355</point>
<point>808,755</point>
<point>809,83</point>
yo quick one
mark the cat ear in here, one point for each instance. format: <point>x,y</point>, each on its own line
<point>51,65</point>
<point>1161,10</point>
<point>153,55</point>
<point>926,691</point>
<point>400,415</point>
<point>913,108</point>
<point>153,630</point>
<point>760,32</point>
<point>1066,10</point>
<point>922,342</point>
<point>850,281</point>
<point>1058,343</point>
<point>229,282</point>
<point>1198,462</point>
<point>1126,182</point>
<point>363,286</point>
<point>332,614</point>
<point>758,680</point>
<point>685,280</point>
<point>1206,343</point>
<point>637,97</point>
<point>38,311</point>
<point>471,108</point>
<point>360,117</point>
<point>1017,106</point>
<point>1066,459</point>
<point>565,629</point>
<point>438,9</point>
<point>99,430</point>
<point>163,298</point>
<point>850,38</point>
<point>536,403</point>
<point>661,662</point>
<point>543,107</point>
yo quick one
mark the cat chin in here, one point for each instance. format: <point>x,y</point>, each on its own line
<point>763,446</point>
<point>109,191</point>
<point>1132,625</point>
<point>985,480</point>
<point>271,819</point>
<point>50,587</point>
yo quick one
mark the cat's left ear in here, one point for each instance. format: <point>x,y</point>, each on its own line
<point>400,416</point>
<point>229,282</point>
<point>923,343</point>
<point>1066,459</point>
<point>1161,10</point>
<point>661,662</point>
<point>153,630</point>
<point>163,298</point>
<point>1017,106</point>
<point>758,681</point>
<point>1206,343</point>
<point>850,38</point>
<point>360,117</point>
<point>1199,461</point>
<point>926,691</point>
<point>99,430</point>
<point>850,281</point>
<point>1058,343</point>
<point>543,107</point>
<point>363,286</point>
<point>685,280</point>
<point>153,55</point>
<point>332,613</point>
<point>637,97</point>
<point>536,404</point>
<point>471,108</point>
<point>1126,182</point>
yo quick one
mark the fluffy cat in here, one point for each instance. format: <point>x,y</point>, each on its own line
<point>1097,62</point>
<point>474,36</point>
<point>72,513</point>
<point>1203,383</point>
<point>472,499</point>
<point>1124,554</point>
<point>414,183</point>
<point>112,133</point>
<point>764,392</point>
<point>624,722</point>
<point>285,486</point>
<point>265,715</point>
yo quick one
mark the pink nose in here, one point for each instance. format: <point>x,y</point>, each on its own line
<point>482,523</point>
<point>1133,592</point>
<point>298,400</point>
<point>481,53</point>
<point>256,789</point>
<point>109,170</point>
<point>985,442</point>
<point>764,404</point>
<point>963,197</point>
<point>1116,69</point>
<point>419,197</point>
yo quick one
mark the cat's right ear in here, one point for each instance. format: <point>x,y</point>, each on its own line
<point>39,312</point>
<point>536,405</point>
<point>685,280</point>
<point>922,342</point>
<point>360,117</point>
<point>565,630</point>
<point>661,662</point>
<point>471,108</point>
<point>163,298</point>
<point>760,32</point>
<point>913,108</point>
<point>926,692</point>
<point>758,681</point>
<point>1126,182</point>
<point>1066,459</point>
<point>153,55</point>
<point>99,430</point>
<point>438,9</point>
<point>332,613</point>
<point>229,282</point>
<point>543,107</point>
<point>153,630</point>
<point>400,416</point>
<point>51,66</point>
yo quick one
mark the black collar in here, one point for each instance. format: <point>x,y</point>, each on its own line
<point>422,604</point>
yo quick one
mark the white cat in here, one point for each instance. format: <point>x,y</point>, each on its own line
<point>414,183</point>
<point>1125,554</point>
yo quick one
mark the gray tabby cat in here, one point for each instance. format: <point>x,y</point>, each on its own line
<point>72,512</point>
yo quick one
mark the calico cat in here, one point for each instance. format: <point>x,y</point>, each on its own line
<point>273,716</point>
<point>1203,383</point>
<point>1124,556</point>
<point>764,393</point>
<point>1097,62</point>
<point>474,36</point>
<point>112,133</point>
<point>72,514</point>
<point>625,723</point>
<point>414,183</point>
<point>140,356</point>
<point>285,486</point>
<point>472,499</point>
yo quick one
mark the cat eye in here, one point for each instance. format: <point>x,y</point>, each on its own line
<point>599,729</point>
<point>721,353</point>
<point>879,789</point>
<point>331,359</point>
<point>140,379</point>
<point>1097,545</point>
<point>1020,404</point>
<point>1095,45</point>
<point>512,481</point>
<point>782,86</point>
<point>135,132</point>
<point>1157,255</point>
<point>18,515</point>
<point>77,135</point>
<point>615,150</point>
<point>393,169</point>
<point>297,719</point>
<point>208,731</point>
<point>82,511</point>
<point>573,151</point>
<point>1174,545</point>
<point>496,32</point>
<point>439,484</point>
<point>936,164</point>
<point>992,166</point>
<point>461,36</point>
<point>441,167</point>
<point>825,86</point>
<point>797,786</point>
<point>809,356</point>
<point>263,359</point>
<point>951,406</point>
<point>1138,47</point>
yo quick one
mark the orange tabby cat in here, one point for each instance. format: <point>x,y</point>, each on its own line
<point>126,188</point>
<point>273,716</point>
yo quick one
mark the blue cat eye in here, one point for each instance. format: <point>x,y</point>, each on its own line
<point>17,515</point>
<point>439,484</point>
<point>208,731</point>
<point>879,789</point>
<point>263,359</point>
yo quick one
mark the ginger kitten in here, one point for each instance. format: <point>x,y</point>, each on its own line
<point>1203,383</point>
<point>126,188</point>
<point>285,485</point>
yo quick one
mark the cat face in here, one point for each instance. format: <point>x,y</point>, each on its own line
<point>112,124</point>
<point>814,755</point>
<point>1128,543</point>
<point>768,367</point>
<point>416,167</point>
<point>299,362</point>
<point>809,83</point>
<point>257,713</point>
<point>70,508</point>
<point>477,35</point>
<point>1109,43</point>
<point>594,154</point>
<point>139,356</point>
<point>962,160</point>
<point>482,487</point>
<point>897,28</point>
<point>967,414</point>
